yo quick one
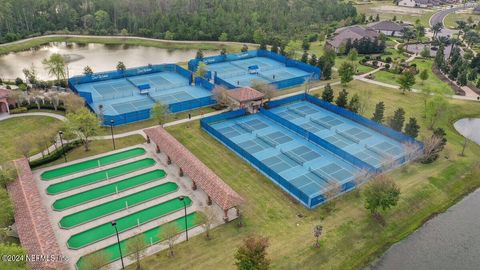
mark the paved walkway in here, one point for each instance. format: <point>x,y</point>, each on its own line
<point>53,115</point>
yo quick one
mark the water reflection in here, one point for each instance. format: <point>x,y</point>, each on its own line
<point>98,56</point>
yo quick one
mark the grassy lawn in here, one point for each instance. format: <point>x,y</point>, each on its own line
<point>387,10</point>
<point>351,238</point>
<point>98,147</point>
<point>360,68</point>
<point>21,46</point>
<point>433,82</point>
<point>32,126</point>
<point>452,18</point>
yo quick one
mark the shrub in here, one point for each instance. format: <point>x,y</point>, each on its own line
<point>388,59</point>
<point>19,110</point>
<point>387,66</point>
<point>18,81</point>
<point>54,155</point>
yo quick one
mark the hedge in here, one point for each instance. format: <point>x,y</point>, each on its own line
<point>55,154</point>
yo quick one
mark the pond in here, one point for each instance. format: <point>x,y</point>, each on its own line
<point>99,57</point>
<point>450,240</point>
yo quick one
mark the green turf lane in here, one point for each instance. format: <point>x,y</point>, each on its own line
<point>99,176</point>
<point>125,223</point>
<point>92,163</point>
<point>116,205</point>
<point>151,236</point>
<point>107,190</point>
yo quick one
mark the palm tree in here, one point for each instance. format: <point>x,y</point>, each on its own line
<point>437,28</point>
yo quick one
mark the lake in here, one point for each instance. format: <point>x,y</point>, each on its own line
<point>450,240</point>
<point>99,57</point>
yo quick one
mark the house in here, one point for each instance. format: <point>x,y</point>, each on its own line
<point>389,28</point>
<point>426,3</point>
<point>3,101</point>
<point>246,98</point>
<point>355,32</point>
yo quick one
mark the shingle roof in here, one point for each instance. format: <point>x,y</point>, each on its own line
<point>388,26</point>
<point>245,94</point>
<point>351,32</point>
<point>221,193</point>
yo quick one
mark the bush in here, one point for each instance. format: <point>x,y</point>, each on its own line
<point>367,57</point>
<point>18,81</point>
<point>387,66</point>
<point>19,110</point>
<point>388,59</point>
<point>378,57</point>
<point>54,155</point>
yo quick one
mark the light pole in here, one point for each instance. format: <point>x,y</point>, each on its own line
<point>182,198</point>
<point>114,224</point>
<point>60,133</point>
<point>111,130</point>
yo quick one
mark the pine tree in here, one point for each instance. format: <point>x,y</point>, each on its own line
<point>379,112</point>
<point>397,120</point>
<point>327,93</point>
<point>440,56</point>
<point>411,128</point>
<point>354,104</point>
<point>342,99</point>
<point>424,75</point>
<point>462,78</point>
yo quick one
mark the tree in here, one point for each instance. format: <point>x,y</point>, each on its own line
<point>223,37</point>
<point>96,260</point>
<point>135,246</point>
<point>365,99</point>
<point>72,102</point>
<point>412,128</point>
<point>424,76</point>
<point>15,97</point>
<point>55,65</point>
<point>87,71</point>
<point>406,81</point>
<point>304,58</point>
<point>419,31</point>
<point>462,78</point>
<point>425,53</point>
<point>169,35</point>
<point>223,51</point>
<point>352,55</point>
<point>102,21</point>
<point>207,219</point>
<point>201,70</point>
<point>354,104</point>
<point>244,48</point>
<point>440,56</point>
<point>381,193</point>
<point>6,215</point>
<point>436,29</point>
<point>259,36</point>
<point>170,233</point>
<point>346,72</point>
<point>267,89</point>
<point>396,122</point>
<point>305,44</point>
<point>24,145</point>
<point>331,191</point>
<point>433,145</point>
<point>317,232</point>
<point>313,60</point>
<point>327,93</point>
<point>408,34</point>
<point>342,99</point>
<point>253,254</point>
<point>199,54</point>
<point>292,48</point>
<point>436,109</point>
<point>159,112</point>
<point>121,66</point>
<point>220,95</point>
<point>84,124</point>
<point>30,74</point>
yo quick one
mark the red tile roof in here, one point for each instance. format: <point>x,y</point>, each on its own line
<point>245,94</point>
<point>31,218</point>
<point>221,193</point>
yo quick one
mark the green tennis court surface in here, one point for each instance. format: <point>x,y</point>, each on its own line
<point>125,223</point>
<point>92,163</point>
<point>99,176</point>
<point>110,189</point>
<point>150,237</point>
<point>116,205</point>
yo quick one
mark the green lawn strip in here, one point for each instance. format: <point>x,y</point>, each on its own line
<point>125,223</point>
<point>99,176</point>
<point>107,190</point>
<point>92,163</point>
<point>116,205</point>
<point>150,237</point>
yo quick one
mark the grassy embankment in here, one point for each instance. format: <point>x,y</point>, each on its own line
<point>30,43</point>
<point>351,238</point>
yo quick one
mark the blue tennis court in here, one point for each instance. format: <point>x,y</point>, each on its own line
<point>240,70</point>
<point>305,145</point>
<point>128,96</point>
